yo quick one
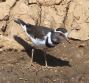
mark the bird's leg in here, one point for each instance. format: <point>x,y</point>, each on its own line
<point>45,58</point>
<point>32,55</point>
<point>46,63</point>
<point>32,60</point>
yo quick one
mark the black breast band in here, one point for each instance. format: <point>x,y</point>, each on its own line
<point>47,43</point>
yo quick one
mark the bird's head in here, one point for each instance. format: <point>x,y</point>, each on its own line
<point>59,35</point>
<point>63,30</point>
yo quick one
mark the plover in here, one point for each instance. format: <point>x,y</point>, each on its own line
<point>43,37</point>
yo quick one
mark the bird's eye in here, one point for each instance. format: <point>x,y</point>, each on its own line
<point>61,34</point>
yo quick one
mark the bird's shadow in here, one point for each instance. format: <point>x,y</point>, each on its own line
<point>39,55</point>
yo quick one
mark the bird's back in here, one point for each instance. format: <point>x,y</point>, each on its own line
<point>33,30</point>
<point>38,31</point>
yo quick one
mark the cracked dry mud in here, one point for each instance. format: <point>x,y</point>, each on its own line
<point>72,14</point>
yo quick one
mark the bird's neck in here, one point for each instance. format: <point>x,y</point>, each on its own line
<point>49,42</point>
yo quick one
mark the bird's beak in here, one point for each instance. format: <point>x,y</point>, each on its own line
<point>65,36</point>
<point>67,39</point>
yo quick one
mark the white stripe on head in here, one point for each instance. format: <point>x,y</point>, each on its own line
<point>58,31</point>
<point>66,34</point>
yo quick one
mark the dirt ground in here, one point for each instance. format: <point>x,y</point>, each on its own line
<point>67,63</point>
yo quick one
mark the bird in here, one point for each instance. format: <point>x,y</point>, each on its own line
<point>43,37</point>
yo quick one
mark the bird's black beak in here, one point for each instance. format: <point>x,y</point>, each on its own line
<point>66,37</point>
<point>67,40</point>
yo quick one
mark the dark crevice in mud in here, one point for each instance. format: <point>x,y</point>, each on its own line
<point>75,39</point>
<point>46,4</point>
<point>14,5</point>
<point>3,29</point>
<point>58,3</point>
<point>6,18</point>
<point>38,21</point>
<point>40,15</point>
<point>66,14</point>
<point>3,1</point>
<point>56,10</point>
<point>31,3</point>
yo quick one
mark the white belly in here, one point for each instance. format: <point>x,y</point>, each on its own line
<point>38,43</point>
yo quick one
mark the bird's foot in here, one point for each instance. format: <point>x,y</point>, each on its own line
<point>46,67</point>
<point>31,64</point>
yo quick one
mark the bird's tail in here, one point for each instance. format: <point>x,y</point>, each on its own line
<point>21,23</point>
